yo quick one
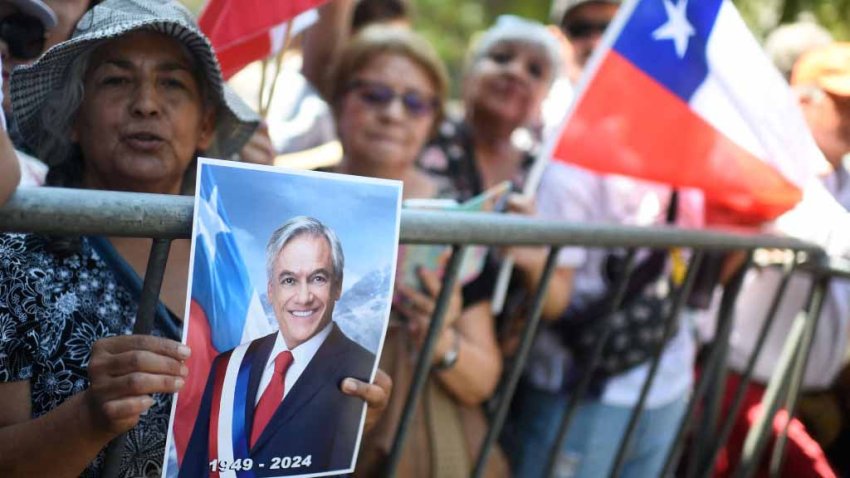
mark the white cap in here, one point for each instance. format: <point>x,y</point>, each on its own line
<point>37,9</point>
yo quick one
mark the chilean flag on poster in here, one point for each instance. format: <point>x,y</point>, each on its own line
<point>243,31</point>
<point>221,292</point>
<point>680,92</point>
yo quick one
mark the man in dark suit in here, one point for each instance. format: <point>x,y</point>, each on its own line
<point>276,401</point>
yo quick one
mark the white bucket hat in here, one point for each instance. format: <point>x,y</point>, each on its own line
<point>31,85</point>
<point>518,29</point>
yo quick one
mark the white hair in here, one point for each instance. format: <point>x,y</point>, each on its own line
<point>511,28</point>
<point>298,226</point>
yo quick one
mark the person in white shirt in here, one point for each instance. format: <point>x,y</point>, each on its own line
<point>570,193</point>
<point>821,79</point>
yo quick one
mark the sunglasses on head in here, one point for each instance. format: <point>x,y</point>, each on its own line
<point>379,95</point>
<point>584,28</point>
<point>23,34</point>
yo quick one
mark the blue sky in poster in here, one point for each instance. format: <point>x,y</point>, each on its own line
<point>363,213</point>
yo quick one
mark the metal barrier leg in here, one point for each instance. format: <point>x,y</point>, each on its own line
<point>715,360</point>
<point>731,415</point>
<point>423,363</point>
<point>759,432</point>
<point>716,374</point>
<point>526,341</point>
<point>802,361</point>
<point>669,327</point>
<point>584,383</point>
<point>798,339</point>
<point>143,325</point>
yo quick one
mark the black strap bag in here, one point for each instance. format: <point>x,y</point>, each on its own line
<point>637,326</point>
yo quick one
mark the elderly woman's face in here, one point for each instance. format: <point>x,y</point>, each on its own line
<point>142,118</point>
<point>386,115</point>
<point>509,82</point>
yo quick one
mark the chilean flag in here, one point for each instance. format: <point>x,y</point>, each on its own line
<point>223,300</point>
<point>243,31</point>
<point>680,92</point>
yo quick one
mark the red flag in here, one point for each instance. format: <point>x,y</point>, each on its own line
<point>241,30</point>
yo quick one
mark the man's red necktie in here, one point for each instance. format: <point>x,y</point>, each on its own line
<point>272,396</point>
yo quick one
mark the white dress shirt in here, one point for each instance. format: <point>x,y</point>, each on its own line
<point>830,342</point>
<point>302,355</point>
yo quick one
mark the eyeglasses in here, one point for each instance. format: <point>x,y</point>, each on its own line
<point>23,34</point>
<point>584,28</point>
<point>380,95</point>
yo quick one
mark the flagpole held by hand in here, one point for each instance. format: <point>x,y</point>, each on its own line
<point>503,279</point>
<point>278,64</point>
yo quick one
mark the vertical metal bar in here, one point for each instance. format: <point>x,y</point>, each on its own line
<point>761,429</point>
<point>715,373</point>
<point>757,438</point>
<point>799,374</point>
<point>581,389</point>
<point>526,341</point>
<point>737,401</point>
<point>148,301</point>
<point>149,298</point>
<point>669,327</point>
<point>724,326</point>
<point>423,363</point>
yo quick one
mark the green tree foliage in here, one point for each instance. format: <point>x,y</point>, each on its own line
<point>764,15</point>
<point>450,25</point>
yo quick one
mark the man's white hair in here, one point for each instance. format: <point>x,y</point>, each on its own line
<point>298,226</point>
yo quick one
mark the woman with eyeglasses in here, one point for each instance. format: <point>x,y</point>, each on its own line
<point>387,93</point>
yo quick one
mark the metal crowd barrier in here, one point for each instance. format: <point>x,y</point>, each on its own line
<point>164,218</point>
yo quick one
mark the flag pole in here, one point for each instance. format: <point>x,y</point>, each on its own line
<point>260,95</point>
<point>503,278</point>
<point>278,64</point>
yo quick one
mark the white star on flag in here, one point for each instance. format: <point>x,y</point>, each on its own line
<point>210,223</point>
<point>677,27</point>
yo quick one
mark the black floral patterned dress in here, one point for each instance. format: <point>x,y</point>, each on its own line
<point>52,309</point>
<point>451,154</point>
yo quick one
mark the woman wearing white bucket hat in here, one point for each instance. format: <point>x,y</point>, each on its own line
<point>126,104</point>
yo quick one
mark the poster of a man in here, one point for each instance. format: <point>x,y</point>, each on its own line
<point>272,405</point>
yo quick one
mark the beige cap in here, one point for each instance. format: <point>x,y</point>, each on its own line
<point>828,67</point>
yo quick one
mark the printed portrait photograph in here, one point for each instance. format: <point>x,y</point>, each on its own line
<point>290,291</point>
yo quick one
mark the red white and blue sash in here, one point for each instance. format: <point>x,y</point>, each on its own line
<point>228,428</point>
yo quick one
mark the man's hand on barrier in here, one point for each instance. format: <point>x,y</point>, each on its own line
<point>376,395</point>
<point>124,371</point>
